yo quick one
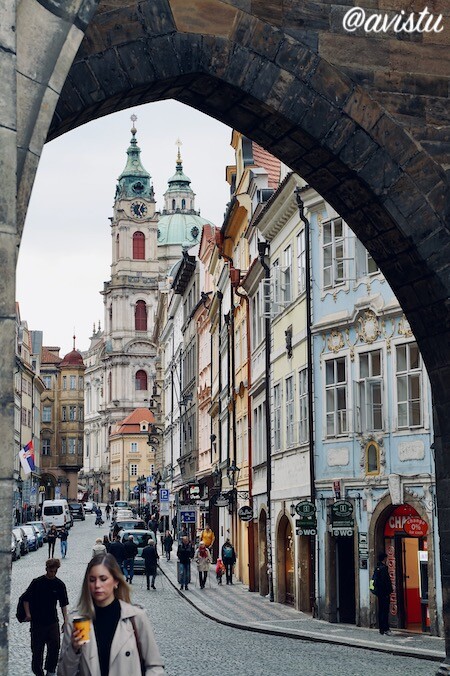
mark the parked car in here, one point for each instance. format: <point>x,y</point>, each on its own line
<point>126,524</point>
<point>22,537</point>
<point>33,544</point>
<point>77,511</point>
<point>15,547</point>
<point>37,532</point>
<point>89,507</point>
<point>141,538</point>
<point>40,525</point>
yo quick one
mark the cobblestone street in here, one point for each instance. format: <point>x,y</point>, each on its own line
<point>190,642</point>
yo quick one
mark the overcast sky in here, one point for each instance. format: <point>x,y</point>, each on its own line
<point>65,254</point>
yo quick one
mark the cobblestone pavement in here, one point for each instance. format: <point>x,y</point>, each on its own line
<point>190,642</point>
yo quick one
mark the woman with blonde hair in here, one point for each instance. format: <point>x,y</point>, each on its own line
<point>121,637</point>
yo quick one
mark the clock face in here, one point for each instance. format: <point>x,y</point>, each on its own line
<point>138,209</point>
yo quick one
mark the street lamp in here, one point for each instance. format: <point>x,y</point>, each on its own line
<point>141,482</point>
<point>233,474</point>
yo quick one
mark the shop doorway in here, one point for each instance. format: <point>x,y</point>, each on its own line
<point>345,580</point>
<point>408,569</point>
<point>286,562</point>
<point>262,555</point>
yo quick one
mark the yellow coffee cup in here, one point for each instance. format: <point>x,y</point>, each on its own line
<point>83,624</point>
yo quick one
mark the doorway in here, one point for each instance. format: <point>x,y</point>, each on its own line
<point>345,580</point>
<point>286,562</point>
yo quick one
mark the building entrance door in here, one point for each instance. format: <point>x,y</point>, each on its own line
<point>408,568</point>
<point>345,580</point>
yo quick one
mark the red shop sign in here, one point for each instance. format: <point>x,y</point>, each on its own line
<point>395,522</point>
<point>415,526</point>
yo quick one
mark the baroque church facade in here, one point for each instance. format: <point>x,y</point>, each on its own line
<point>121,360</point>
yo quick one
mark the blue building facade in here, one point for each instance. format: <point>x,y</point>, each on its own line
<point>374,469</point>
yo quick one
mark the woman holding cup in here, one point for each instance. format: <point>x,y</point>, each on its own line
<point>106,635</point>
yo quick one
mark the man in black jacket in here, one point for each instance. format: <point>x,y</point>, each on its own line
<point>40,602</point>
<point>131,551</point>
<point>150,556</point>
<point>383,590</point>
<point>185,553</point>
<point>117,549</point>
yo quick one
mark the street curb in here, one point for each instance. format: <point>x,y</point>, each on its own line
<point>309,636</point>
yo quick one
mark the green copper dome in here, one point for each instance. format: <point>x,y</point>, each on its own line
<point>180,229</point>
<point>134,181</point>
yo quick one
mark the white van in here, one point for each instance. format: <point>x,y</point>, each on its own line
<point>56,512</point>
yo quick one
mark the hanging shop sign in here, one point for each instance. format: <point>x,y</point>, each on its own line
<point>307,523</point>
<point>397,519</point>
<point>342,522</point>
<point>194,492</point>
<point>245,513</point>
<point>415,526</point>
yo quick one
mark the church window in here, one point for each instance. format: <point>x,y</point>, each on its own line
<point>194,232</point>
<point>173,204</point>
<point>117,247</point>
<point>183,204</point>
<point>141,380</point>
<point>138,246</point>
<point>110,386</point>
<point>140,316</point>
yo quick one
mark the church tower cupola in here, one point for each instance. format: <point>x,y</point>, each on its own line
<point>134,181</point>
<point>179,196</point>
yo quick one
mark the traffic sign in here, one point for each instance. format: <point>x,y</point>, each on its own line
<point>188,517</point>
<point>164,495</point>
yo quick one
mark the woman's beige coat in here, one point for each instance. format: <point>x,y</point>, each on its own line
<point>124,658</point>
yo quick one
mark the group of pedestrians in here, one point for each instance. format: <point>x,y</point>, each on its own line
<point>54,534</point>
<point>202,557</point>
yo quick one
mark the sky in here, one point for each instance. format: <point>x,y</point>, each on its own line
<point>65,254</point>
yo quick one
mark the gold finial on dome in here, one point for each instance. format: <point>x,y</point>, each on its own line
<point>179,144</point>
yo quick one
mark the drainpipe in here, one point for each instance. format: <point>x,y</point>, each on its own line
<point>251,542</point>
<point>219,366</point>
<point>309,349</point>
<point>263,248</point>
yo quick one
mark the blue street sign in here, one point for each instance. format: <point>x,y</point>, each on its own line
<point>136,490</point>
<point>164,495</point>
<point>188,517</point>
<point>149,480</point>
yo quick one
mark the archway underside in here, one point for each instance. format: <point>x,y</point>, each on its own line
<point>317,120</point>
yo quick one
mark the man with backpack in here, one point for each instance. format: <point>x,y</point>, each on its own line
<point>381,586</point>
<point>229,559</point>
<point>40,600</point>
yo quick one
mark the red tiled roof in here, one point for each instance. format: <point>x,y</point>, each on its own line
<point>132,423</point>
<point>73,358</point>
<point>270,163</point>
<point>48,356</point>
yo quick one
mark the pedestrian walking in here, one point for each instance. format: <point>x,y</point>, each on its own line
<point>63,534</point>
<point>52,536</point>
<point>40,603</point>
<point>382,589</point>
<point>207,536</point>
<point>151,558</point>
<point>168,544</point>
<point>220,570</point>
<point>117,549</point>
<point>185,553</point>
<point>153,525</point>
<point>121,637</point>
<point>98,548</point>
<point>99,518</point>
<point>131,551</point>
<point>108,511</point>
<point>229,559</point>
<point>106,542</point>
<point>203,560</point>
<point>174,525</point>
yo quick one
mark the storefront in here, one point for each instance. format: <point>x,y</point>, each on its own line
<point>406,544</point>
<point>340,592</point>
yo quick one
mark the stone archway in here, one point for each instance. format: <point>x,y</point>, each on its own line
<point>285,558</point>
<point>368,133</point>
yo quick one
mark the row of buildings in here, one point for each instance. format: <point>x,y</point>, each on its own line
<point>264,376</point>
